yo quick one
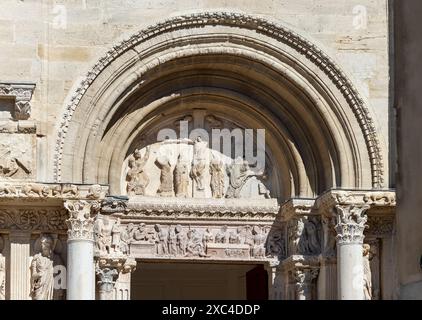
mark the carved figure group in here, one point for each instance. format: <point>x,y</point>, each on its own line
<point>189,177</point>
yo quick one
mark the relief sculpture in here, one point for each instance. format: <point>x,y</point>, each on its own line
<point>137,178</point>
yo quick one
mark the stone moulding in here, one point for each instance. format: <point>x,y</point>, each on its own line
<point>236,20</point>
<point>203,208</point>
<point>22,94</point>
<point>10,190</point>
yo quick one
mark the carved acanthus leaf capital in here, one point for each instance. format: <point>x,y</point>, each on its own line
<point>81,221</point>
<point>351,222</point>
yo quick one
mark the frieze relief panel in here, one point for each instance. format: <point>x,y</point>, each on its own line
<point>17,157</point>
<point>185,241</point>
<point>32,190</point>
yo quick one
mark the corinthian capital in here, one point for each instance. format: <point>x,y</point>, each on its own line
<point>81,221</point>
<point>351,222</point>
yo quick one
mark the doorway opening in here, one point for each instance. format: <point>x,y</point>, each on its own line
<point>199,281</point>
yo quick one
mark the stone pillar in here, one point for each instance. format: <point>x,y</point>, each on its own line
<point>111,268</point>
<point>80,250</point>
<point>327,280</point>
<point>304,285</point>
<point>106,280</point>
<point>351,221</point>
<point>20,277</point>
<point>271,269</point>
<point>122,286</point>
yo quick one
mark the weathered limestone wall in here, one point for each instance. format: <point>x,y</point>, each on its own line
<point>54,43</point>
<point>408,82</point>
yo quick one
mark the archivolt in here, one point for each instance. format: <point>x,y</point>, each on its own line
<point>251,25</point>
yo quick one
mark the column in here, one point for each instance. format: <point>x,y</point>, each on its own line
<point>106,280</point>
<point>304,283</point>
<point>351,221</point>
<point>271,269</point>
<point>80,250</point>
<point>20,276</point>
<point>113,277</point>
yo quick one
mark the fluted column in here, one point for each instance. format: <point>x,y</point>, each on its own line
<point>20,287</point>
<point>80,249</point>
<point>351,222</point>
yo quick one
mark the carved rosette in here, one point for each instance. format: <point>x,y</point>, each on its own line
<point>81,222</point>
<point>351,222</point>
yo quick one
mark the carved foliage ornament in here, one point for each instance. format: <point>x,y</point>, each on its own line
<point>33,219</point>
<point>351,222</point>
<point>81,223</point>
<point>271,29</point>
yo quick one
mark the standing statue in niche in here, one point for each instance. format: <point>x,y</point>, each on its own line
<point>42,271</point>
<point>137,178</point>
<point>217,178</point>
<point>312,238</point>
<point>199,163</point>
<point>2,272</point>
<point>181,177</point>
<point>367,275</point>
<point>166,177</point>
<point>239,172</point>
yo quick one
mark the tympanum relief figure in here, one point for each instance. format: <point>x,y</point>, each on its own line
<point>166,177</point>
<point>181,177</point>
<point>217,178</point>
<point>137,178</point>
<point>239,172</point>
<point>199,163</point>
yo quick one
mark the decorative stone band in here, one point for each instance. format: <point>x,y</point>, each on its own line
<point>81,221</point>
<point>351,222</point>
<point>206,208</point>
<point>22,94</point>
<point>35,191</point>
<point>42,219</point>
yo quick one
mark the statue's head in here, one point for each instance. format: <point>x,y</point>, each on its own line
<point>46,245</point>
